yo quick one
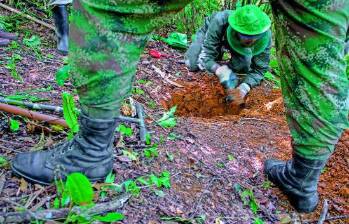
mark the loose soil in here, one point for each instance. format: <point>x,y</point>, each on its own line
<point>217,147</point>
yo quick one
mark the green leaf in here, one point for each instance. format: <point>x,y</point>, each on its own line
<point>147,139</point>
<point>168,114</point>
<point>258,221</point>
<point>50,56</point>
<point>178,40</point>
<point>168,119</point>
<point>56,203</point>
<point>266,185</point>
<point>14,125</point>
<point>151,104</point>
<point>254,206</point>
<point>3,162</point>
<point>143,180</point>
<point>69,112</point>
<point>32,42</point>
<point>165,179</point>
<point>169,123</point>
<point>124,130</point>
<point>151,151</point>
<point>62,75</point>
<point>155,180</point>
<point>173,136</point>
<point>110,217</point>
<point>231,157</point>
<point>79,188</point>
<point>131,186</point>
<point>65,200</point>
<point>269,76</point>
<point>110,178</point>
<point>144,81</point>
<point>138,91</point>
<point>162,181</point>
<point>81,219</point>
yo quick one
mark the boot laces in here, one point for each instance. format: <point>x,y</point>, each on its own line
<point>62,150</point>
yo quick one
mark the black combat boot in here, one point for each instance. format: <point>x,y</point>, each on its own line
<point>298,179</point>
<point>60,16</point>
<point>90,153</point>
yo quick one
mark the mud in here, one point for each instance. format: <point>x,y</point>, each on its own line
<point>203,96</point>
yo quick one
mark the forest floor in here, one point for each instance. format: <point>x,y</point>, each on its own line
<point>213,151</point>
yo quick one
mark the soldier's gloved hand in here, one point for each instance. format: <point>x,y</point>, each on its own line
<point>226,77</point>
<point>237,96</point>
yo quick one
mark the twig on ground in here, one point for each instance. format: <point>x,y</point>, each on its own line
<point>27,16</point>
<point>42,202</point>
<point>33,197</point>
<point>162,75</point>
<point>11,142</point>
<point>270,105</point>
<point>254,119</point>
<point>2,182</point>
<point>54,214</point>
<point>323,213</point>
<point>9,149</point>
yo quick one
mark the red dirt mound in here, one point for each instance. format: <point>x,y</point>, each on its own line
<point>202,98</point>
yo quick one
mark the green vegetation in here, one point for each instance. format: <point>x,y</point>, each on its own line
<point>70,114</point>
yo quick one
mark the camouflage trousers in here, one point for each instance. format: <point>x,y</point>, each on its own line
<point>310,43</point>
<point>60,2</point>
<point>106,41</point>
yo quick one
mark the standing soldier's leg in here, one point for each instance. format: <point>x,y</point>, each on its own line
<point>310,37</point>
<point>61,19</point>
<point>107,38</point>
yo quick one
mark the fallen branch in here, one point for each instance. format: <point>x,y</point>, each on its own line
<point>33,115</point>
<point>2,182</point>
<point>39,106</point>
<point>323,213</point>
<point>162,75</point>
<point>54,214</point>
<point>36,106</point>
<point>27,16</point>
<point>329,218</point>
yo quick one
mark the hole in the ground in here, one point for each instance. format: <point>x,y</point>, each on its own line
<point>202,98</point>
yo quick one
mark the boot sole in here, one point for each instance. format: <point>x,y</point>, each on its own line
<point>20,174</point>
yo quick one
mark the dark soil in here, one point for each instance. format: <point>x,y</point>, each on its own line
<point>217,148</point>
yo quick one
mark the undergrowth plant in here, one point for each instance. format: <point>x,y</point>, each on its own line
<point>77,191</point>
<point>70,114</point>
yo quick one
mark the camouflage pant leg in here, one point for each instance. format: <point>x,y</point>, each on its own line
<point>105,47</point>
<point>310,43</point>
<point>193,52</point>
<point>60,2</point>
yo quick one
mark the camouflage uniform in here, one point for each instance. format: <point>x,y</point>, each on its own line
<point>310,40</point>
<point>210,43</point>
<point>107,38</point>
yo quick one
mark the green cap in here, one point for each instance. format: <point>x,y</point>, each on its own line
<point>249,20</point>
